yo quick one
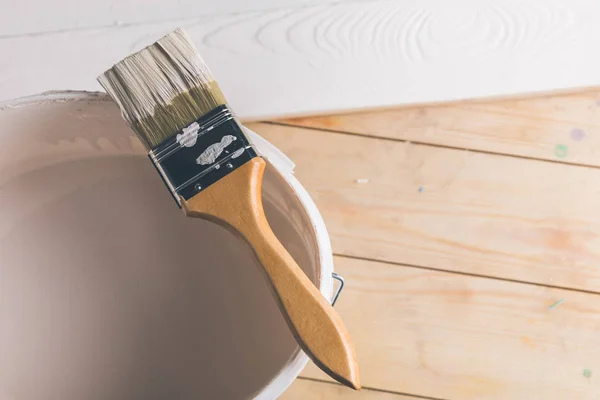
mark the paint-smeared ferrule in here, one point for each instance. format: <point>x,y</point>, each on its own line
<point>201,154</point>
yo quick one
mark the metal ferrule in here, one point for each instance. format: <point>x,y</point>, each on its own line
<point>201,154</point>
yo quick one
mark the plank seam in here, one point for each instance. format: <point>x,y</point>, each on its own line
<point>471,274</point>
<point>372,389</point>
<point>441,146</point>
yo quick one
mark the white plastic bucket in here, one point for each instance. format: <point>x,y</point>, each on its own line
<point>108,292</point>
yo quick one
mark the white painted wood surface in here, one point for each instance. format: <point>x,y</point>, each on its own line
<point>37,16</point>
<point>299,57</point>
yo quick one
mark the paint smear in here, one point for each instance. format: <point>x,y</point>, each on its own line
<point>561,151</point>
<point>421,189</point>
<point>587,373</point>
<point>556,304</point>
<point>213,151</point>
<point>577,134</point>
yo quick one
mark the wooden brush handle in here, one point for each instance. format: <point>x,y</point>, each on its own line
<point>236,202</point>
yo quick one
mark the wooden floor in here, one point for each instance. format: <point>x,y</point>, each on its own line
<point>469,236</point>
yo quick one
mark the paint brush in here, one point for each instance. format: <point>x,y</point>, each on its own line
<point>168,96</point>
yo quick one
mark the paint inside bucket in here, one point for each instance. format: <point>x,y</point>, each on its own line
<point>107,291</point>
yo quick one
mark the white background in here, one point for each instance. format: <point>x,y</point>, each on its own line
<point>298,57</point>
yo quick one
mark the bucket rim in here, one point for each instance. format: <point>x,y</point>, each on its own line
<point>285,167</point>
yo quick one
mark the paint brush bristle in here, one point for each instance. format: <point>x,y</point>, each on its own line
<point>162,88</point>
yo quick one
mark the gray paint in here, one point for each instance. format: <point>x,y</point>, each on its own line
<point>107,291</point>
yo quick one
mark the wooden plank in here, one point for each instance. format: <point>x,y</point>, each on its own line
<point>39,16</point>
<point>563,127</point>
<point>451,209</point>
<point>304,389</point>
<point>327,57</point>
<point>451,336</point>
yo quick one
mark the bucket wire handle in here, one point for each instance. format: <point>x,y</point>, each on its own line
<point>340,279</point>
